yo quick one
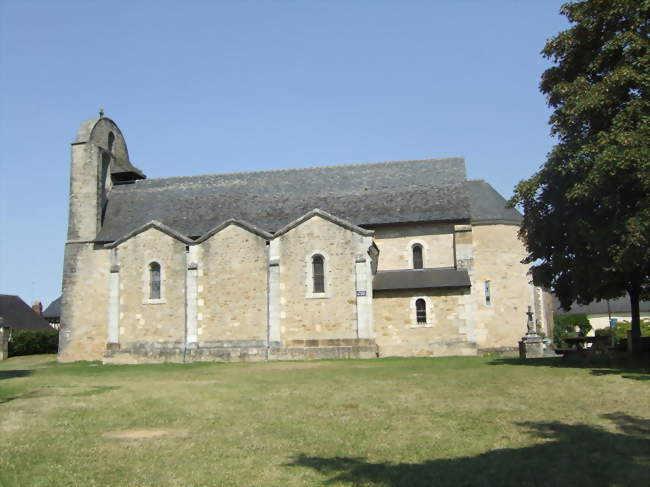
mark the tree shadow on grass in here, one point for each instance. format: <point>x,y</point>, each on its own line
<point>565,455</point>
<point>61,391</point>
<point>633,368</point>
<point>10,374</point>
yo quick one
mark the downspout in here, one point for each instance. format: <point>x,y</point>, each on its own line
<point>187,257</point>
<point>268,299</point>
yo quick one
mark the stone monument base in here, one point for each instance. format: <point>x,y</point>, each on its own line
<point>531,346</point>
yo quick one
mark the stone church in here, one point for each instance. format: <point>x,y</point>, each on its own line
<point>405,258</point>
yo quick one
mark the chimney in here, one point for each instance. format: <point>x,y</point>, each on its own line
<point>37,306</point>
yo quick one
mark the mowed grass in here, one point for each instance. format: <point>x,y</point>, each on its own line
<point>386,422</point>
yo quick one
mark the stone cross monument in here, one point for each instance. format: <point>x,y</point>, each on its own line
<point>531,345</point>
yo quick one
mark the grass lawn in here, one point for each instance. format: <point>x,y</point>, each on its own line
<point>386,422</point>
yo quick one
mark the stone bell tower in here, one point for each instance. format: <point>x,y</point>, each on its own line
<point>99,161</point>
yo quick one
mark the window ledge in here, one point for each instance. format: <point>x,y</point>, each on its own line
<point>426,325</point>
<point>318,296</point>
<point>154,301</point>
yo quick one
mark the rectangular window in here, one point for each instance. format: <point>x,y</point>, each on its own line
<point>488,296</point>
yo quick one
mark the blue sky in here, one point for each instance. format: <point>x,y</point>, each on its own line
<point>203,87</point>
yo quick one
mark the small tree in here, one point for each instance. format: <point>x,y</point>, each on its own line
<point>587,210</point>
<point>565,326</point>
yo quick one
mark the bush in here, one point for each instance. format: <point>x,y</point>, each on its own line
<point>604,332</point>
<point>26,342</point>
<point>622,327</point>
<point>565,325</point>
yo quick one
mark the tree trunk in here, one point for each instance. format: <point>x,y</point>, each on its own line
<point>635,332</point>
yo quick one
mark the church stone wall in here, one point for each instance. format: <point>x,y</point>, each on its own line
<point>333,316</point>
<point>84,304</point>
<point>143,320</point>
<point>395,242</point>
<point>497,258</point>
<point>398,333</point>
<point>232,292</point>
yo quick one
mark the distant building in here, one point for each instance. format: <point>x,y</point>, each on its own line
<point>18,315</point>
<point>53,313</point>
<point>406,258</point>
<point>599,312</point>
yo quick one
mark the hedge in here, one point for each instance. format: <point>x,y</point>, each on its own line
<point>26,342</point>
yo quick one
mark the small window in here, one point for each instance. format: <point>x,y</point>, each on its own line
<point>154,280</point>
<point>111,139</point>
<point>488,297</point>
<point>417,257</point>
<point>318,273</point>
<point>421,312</point>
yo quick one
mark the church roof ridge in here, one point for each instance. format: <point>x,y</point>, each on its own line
<point>297,169</point>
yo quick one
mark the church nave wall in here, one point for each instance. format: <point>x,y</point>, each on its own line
<point>398,333</point>
<point>395,244</point>
<point>332,314</point>
<point>143,317</point>
<point>232,287</point>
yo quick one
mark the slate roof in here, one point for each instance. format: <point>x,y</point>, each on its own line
<point>54,309</point>
<point>363,194</point>
<point>19,316</point>
<point>420,279</point>
<point>616,306</point>
<point>488,206</point>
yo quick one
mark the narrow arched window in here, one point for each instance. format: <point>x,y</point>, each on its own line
<point>111,139</point>
<point>421,311</point>
<point>318,273</point>
<point>417,257</point>
<point>154,280</point>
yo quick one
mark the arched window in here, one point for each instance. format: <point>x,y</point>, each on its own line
<point>111,139</point>
<point>154,280</point>
<point>318,273</point>
<point>418,262</point>
<point>421,311</point>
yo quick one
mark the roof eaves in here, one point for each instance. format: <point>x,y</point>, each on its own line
<point>152,224</point>
<point>240,223</point>
<point>327,216</point>
<point>496,222</point>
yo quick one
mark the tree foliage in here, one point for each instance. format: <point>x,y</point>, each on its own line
<point>587,210</point>
<point>565,326</point>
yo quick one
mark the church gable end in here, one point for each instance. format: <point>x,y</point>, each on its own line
<point>232,288</point>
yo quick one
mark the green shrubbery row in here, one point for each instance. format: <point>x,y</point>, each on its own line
<point>622,327</point>
<point>565,326</point>
<point>26,342</point>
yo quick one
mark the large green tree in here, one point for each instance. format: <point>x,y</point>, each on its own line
<point>587,210</point>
